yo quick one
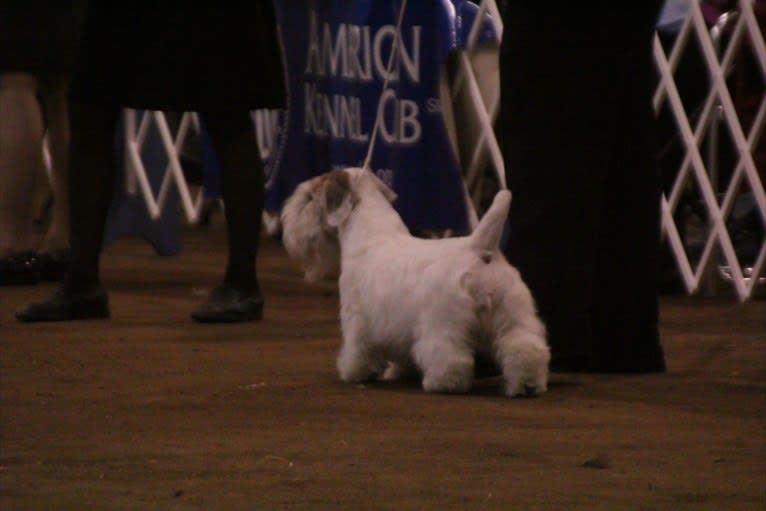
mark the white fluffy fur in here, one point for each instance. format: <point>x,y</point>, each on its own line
<point>434,303</point>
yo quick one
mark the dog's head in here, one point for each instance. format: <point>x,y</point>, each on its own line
<point>317,209</point>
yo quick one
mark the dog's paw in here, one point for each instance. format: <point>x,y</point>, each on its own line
<point>354,367</point>
<point>400,371</point>
<point>517,387</point>
<point>455,379</point>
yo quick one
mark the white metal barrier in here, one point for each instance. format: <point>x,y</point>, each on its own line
<point>694,170</point>
<point>172,142</point>
<point>484,100</point>
<point>486,155</point>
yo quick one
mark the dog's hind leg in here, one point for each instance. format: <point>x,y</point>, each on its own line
<point>445,360</point>
<point>523,355</point>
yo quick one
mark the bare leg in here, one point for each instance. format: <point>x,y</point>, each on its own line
<point>21,134</point>
<point>92,170</point>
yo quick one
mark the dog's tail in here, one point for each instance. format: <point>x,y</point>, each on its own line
<point>487,234</point>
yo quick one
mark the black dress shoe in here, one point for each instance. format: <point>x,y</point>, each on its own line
<point>228,305</point>
<point>19,268</point>
<point>53,265</point>
<point>64,305</point>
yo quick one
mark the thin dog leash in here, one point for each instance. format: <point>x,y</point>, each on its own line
<point>379,113</point>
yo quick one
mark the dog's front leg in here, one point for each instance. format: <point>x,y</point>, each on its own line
<point>357,360</point>
<point>445,359</point>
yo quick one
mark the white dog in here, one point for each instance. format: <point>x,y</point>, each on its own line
<point>434,303</point>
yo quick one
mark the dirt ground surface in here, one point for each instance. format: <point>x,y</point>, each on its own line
<point>151,411</point>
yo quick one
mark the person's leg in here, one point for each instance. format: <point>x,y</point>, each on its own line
<point>21,134</point>
<point>239,297</point>
<point>53,255</point>
<point>92,167</point>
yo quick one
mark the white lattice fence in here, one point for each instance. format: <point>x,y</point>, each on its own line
<point>475,90</point>
<point>701,176</point>
<point>173,140</point>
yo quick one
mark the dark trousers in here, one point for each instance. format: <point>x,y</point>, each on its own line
<point>93,168</point>
<point>577,129</point>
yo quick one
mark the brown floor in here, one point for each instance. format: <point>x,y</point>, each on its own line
<point>150,411</point>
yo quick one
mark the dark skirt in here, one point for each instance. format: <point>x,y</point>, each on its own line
<point>37,37</point>
<point>181,56</point>
<point>580,145</point>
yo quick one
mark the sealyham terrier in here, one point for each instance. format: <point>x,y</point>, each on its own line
<point>414,305</point>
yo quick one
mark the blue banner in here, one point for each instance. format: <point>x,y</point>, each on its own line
<point>336,55</point>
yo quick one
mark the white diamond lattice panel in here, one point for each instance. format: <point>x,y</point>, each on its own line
<point>719,255</point>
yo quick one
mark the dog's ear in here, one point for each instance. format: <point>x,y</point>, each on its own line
<point>338,199</point>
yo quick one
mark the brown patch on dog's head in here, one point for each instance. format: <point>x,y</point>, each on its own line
<point>337,187</point>
<point>338,197</point>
